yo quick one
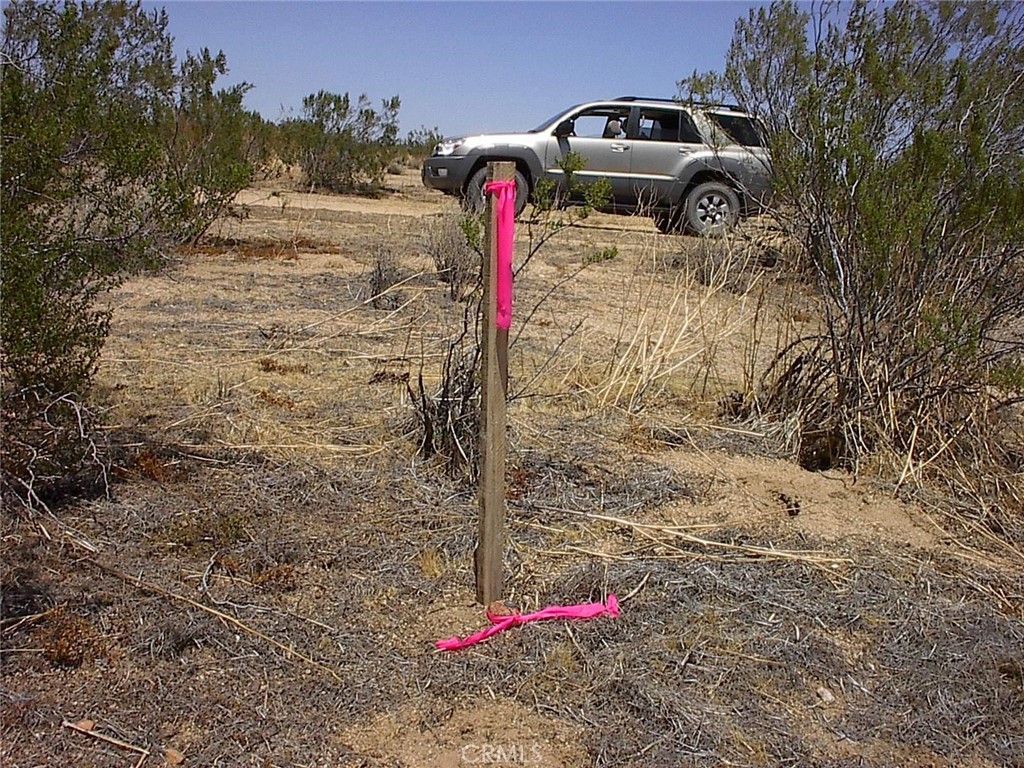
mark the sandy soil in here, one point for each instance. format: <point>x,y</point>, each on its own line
<point>265,581</point>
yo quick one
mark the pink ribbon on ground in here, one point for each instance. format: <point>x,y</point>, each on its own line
<point>501,623</point>
<point>506,203</point>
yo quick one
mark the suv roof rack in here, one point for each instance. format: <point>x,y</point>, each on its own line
<point>735,107</point>
<point>643,98</point>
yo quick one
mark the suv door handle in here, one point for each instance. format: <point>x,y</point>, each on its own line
<point>619,147</point>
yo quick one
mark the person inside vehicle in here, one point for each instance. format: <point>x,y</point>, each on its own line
<point>613,130</point>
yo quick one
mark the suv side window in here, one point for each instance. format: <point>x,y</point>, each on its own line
<point>742,130</point>
<point>595,123</point>
<point>667,125</point>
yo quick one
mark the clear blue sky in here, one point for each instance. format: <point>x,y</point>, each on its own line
<point>463,67</point>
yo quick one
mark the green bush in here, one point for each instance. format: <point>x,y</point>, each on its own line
<point>419,144</point>
<point>110,154</point>
<point>341,146</point>
<point>213,145</point>
<point>896,134</point>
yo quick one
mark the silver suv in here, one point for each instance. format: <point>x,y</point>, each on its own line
<point>694,167</point>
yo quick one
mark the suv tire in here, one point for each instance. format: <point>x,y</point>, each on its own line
<point>474,199</point>
<point>710,208</point>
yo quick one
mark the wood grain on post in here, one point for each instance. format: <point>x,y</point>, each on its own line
<point>490,575</point>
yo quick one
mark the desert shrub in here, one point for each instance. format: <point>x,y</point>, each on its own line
<point>573,198</point>
<point>110,154</point>
<point>447,241</point>
<point>419,144</point>
<point>601,255</point>
<point>341,146</point>
<point>213,145</point>
<point>896,134</point>
<point>725,263</point>
<point>384,274</point>
<point>449,416</point>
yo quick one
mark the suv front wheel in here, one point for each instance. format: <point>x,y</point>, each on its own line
<point>474,199</point>
<point>711,207</point>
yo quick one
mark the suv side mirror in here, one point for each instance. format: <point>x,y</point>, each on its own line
<point>564,128</point>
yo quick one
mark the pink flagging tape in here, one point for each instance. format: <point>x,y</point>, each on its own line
<point>506,202</point>
<point>501,623</point>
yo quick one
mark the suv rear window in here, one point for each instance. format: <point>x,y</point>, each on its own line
<point>743,130</point>
<point>667,125</point>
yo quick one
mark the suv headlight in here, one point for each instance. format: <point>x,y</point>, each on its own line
<point>447,147</point>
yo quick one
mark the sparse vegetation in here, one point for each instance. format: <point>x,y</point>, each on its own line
<point>269,473</point>
<point>292,522</point>
<point>384,275</point>
<point>110,155</point>
<point>450,418</point>
<point>896,135</point>
<point>447,241</point>
<point>341,145</point>
<point>601,255</point>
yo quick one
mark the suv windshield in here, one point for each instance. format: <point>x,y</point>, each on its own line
<point>549,121</point>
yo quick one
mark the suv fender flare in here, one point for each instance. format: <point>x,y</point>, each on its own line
<point>527,162</point>
<point>703,175</point>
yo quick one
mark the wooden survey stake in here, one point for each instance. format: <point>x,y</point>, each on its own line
<point>490,575</point>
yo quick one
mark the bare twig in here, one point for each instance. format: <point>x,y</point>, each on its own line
<point>288,652</point>
<point>677,532</point>
<point>90,731</point>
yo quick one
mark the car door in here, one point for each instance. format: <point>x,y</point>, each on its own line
<point>606,152</point>
<point>662,141</point>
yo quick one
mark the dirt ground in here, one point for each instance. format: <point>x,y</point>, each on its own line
<point>265,580</point>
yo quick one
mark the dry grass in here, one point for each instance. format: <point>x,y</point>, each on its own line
<point>265,584</point>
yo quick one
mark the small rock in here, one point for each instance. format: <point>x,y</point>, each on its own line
<point>825,695</point>
<point>500,608</point>
<point>791,505</point>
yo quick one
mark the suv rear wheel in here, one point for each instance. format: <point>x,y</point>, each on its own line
<point>711,207</point>
<point>474,199</point>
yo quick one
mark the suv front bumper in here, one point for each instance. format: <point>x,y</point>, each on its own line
<point>447,174</point>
